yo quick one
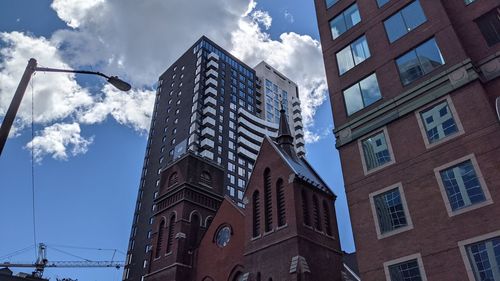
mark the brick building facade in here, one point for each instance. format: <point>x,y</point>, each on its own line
<point>413,85</point>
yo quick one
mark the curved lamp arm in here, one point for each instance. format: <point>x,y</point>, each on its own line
<point>10,115</point>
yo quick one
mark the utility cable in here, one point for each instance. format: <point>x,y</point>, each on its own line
<point>69,254</point>
<point>86,248</point>
<point>33,165</point>
<point>18,252</point>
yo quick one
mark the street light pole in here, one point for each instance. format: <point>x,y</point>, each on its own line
<point>23,84</point>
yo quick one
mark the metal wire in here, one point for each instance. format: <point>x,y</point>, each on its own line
<point>18,252</point>
<point>33,164</point>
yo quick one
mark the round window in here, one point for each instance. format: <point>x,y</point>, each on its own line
<point>223,236</point>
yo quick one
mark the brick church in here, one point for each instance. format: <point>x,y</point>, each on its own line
<point>287,230</point>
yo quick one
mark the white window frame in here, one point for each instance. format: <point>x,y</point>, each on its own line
<point>409,225</point>
<point>465,256</point>
<point>455,118</point>
<point>389,146</point>
<point>416,256</point>
<point>488,200</point>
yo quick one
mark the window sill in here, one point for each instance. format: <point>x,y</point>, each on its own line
<point>281,227</point>
<point>394,232</point>
<point>469,208</point>
<point>256,237</point>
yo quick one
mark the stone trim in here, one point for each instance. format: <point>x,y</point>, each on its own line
<point>480,177</point>
<point>455,118</point>
<point>389,147</point>
<point>425,92</point>
<point>463,252</point>
<point>417,256</point>
<point>380,235</point>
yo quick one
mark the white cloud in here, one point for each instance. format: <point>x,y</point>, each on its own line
<point>56,96</point>
<point>138,40</point>
<point>263,18</point>
<point>58,141</point>
<point>288,16</point>
<point>297,56</point>
<point>133,108</point>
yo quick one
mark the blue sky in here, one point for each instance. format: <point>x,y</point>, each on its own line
<point>90,149</point>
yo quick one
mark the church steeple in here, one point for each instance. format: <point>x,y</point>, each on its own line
<point>284,138</point>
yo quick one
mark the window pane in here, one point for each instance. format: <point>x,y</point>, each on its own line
<point>376,151</point>
<point>337,26</point>
<point>382,2</point>
<point>489,24</point>
<point>462,185</point>
<point>352,16</point>
<point>344,60</point>
<point>360,50</point>
<point>390,211</point>
<point>353,100</point>
<point>413,15</point>
<point>330,3</point>
<point>395,27</point>
<point>484,258</point>
<point>429,56</point>
<point>405,271</point>
<point>409,67</point>
<point>438,122</point>
<point>370,90</point>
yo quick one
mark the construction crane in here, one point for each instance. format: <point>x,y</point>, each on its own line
<point>42,262</point>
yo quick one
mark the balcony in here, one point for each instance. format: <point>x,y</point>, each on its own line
<point>249,135</point>
<point>212,65</point>
<point>207,143</point>
<point>211,81</point>
<point>297,117</point>
<point>209,111</point>
<point>213,56</point>
<point>207,154</point>
<point>212,73</point>
<point>210,100</point>
<point>299,133</point>
<point>248,144</point>
<point>208,121</point>
<point>247,154</point>
<point>208,132</point>
<point>211,91</point>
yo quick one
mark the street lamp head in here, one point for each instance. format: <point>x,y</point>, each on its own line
<point>119,84</point>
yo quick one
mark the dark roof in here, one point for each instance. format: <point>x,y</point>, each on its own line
<point>350,270</point>
<point>301,168</point>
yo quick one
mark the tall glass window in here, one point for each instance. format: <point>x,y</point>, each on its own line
<point>404,21</point>
<point>489,24</point>
<point>419,61</point>
<point>381,3</point>
<point>362,94</point>
<point>345,21</point>
<point>484,258</point>
<point>438,122</point>
<point>352,55</point>
<point>462,185</point>
<point>390,211</point>
<point>330,3</point>
<point>405,271</point>
<point>376,151</point>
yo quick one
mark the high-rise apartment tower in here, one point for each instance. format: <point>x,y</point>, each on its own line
<point>414,87</point>
<point>213,105</point>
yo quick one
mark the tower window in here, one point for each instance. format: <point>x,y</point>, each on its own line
<point>305,208</point>
<point>174,179</point>
<point>256,214</point>
<point>317,219</point>
<point>326,217</point>
<point>206,178</point>
<point>159,240</point>
<point>170,240</point>
<point>268,208</point>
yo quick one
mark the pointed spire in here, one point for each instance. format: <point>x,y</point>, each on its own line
<point>285,138</point>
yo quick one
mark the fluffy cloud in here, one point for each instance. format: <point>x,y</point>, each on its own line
<point>57,139</point>
<point>133,108</point>
<point>138,40</point>
<point>56,95</point>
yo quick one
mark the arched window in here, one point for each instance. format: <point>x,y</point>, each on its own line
<point>268,207</point>
<point>326,217</point>
<point>317,219</point>
<point>305,208</point>
<point>195,229</point>
<point>239,277</point>
<point>170,239</point>
<point>280,200</point>
<point>256,213</point>
<point>208,221</point>
<point>159,240</point>
<point>174,178</point>
<point>206,178</point>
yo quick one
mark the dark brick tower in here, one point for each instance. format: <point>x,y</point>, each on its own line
<point>190,194</point>
<point>290,222</point>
